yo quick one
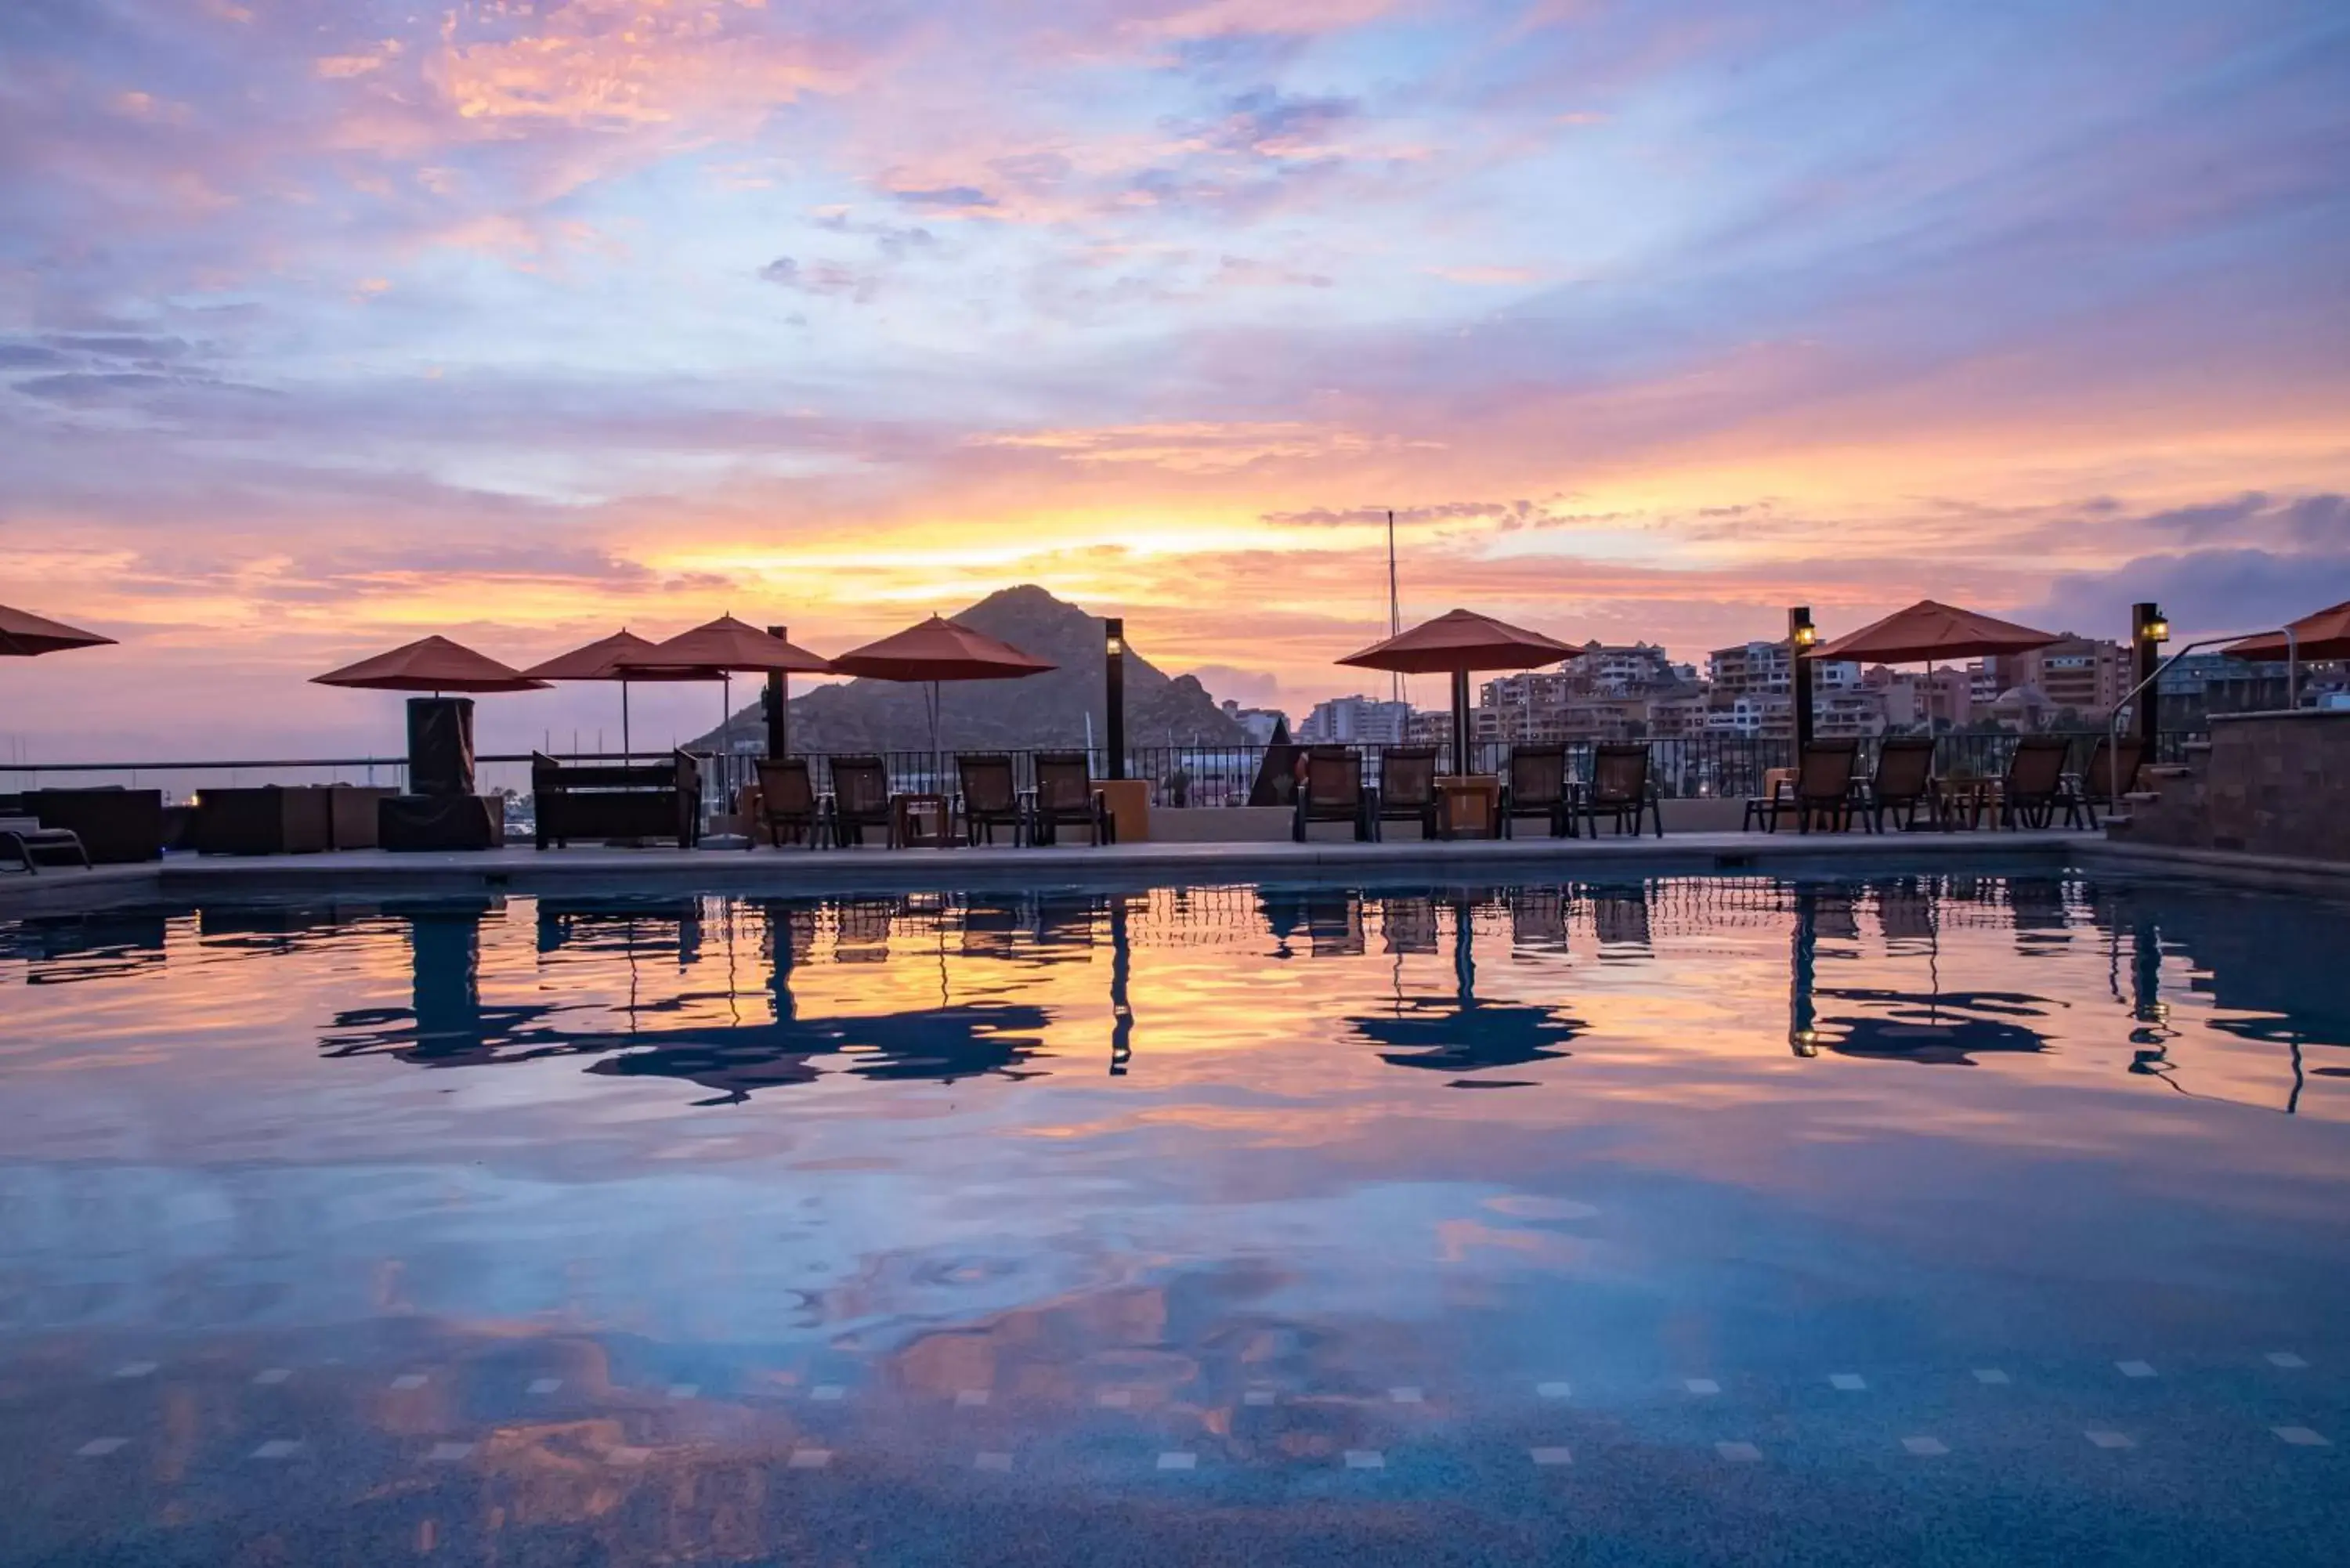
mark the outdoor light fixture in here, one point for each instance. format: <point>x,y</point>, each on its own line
<point>2157,628</point>
<point>1116,644</point>
<point>1806,634</point>
<point>1806,1041</point>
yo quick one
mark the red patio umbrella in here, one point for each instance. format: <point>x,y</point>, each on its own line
<point>940,649</point>
<point>600,660</point>
<point>24,635</point>
<point>1456,642</point>
<point>1929,631</point>
<point>2315,638</point>
<point>431,664</point>
<point>718,652</point>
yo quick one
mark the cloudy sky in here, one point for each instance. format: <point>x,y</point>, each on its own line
<point>325,323</point>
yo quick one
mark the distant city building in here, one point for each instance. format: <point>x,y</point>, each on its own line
<point>1430,727</point>
<point>1259,722</point>
<point>2088,675</point>
<point>1355,721</point>
<point>1924,699</point>
<point>1752,692</point>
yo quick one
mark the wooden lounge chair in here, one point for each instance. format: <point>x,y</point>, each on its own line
<point>2096,787</point>
<point>991,797</point>
<point>1066,797</point>
<point>1821,790</point>
<point>2034,783</point>
<point>28,845</point>
<point>1619,789</point>
<point>861,799</point>
<point>1903,782</point>
<point>788,802</point>
<point>1333,792</point>
<point>1537,788</point>
<point>1406,791</point>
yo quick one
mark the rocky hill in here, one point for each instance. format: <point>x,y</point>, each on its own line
<point>1048,709</point>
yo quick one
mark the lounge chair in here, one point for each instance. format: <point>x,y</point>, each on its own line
<point>2034,784</point>
<point>1406,791</point>
<point>861,799</point>
<point>1066,796</point>
<point>27,844</point>
<point>990,797</point>
<point>2097,785</point>
<point>1537,788</point>
<point>1821,790</point>
<point>1903,782</point>
<point>788,802</point>
<point>1333,792</point>
<point>1619,790</point>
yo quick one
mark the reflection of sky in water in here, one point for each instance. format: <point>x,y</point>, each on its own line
<point>1183,1140</point>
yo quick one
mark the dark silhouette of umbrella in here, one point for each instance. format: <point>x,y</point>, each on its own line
<point>719,651</point>
<point>1929,631</point>
<point>600,660</point>
<point>1461,1033</point>
<point>940,649</point>
<point>24,635</point>
<point>431,664</point>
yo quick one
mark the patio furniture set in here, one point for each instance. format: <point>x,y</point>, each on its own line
<point>1537,785</point>
<point>1828,790</point>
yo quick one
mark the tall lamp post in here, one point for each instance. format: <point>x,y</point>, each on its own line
<point>2149,629</point>
<point>1801,637</point>
<point>1114,691</point>
<point>778,701</point>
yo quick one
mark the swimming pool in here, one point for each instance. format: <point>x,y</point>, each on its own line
<point>1964,1218</point>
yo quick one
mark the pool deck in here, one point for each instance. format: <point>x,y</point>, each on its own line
<point>794,872</point>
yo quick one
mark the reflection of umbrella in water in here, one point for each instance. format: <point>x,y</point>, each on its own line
<point>1938,1028</point>
<point>1462,1034</point>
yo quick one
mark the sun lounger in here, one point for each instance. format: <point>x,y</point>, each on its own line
<point>861,799</point>
<point>1406,791</point>
<point>990,797</point>
<point>1537,786</point>
<point>2033,785</point>
<point>1903,782</point>
<point>1333,792</point>
<point>1821,791</point>
<point>1066,796</point>
<point>1619,790</point>
<point>788,802</point>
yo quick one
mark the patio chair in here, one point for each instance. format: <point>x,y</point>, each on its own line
<point>1066,796</point>
<point>1821,790</point>
<point>28,845</point>
<point>1333,791</point>
<point>991,797</point>
<point>788,802</point>
<point>2096,785</point>
<point>861,799</point>
<point>1406,791</point>
<point>1537,788</point>
<point>1903,782</point>
<point>2034,784</point>
<point>1619,789</point>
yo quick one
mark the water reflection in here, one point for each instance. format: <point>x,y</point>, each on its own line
<point>1461,1032</point>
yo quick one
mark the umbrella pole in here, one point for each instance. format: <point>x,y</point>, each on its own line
<point>1460,721</point>
<point>624,722</point>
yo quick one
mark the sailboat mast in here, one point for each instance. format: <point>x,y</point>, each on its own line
<point>1394,609</point>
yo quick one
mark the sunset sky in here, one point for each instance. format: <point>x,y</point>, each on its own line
<point>326,322</point>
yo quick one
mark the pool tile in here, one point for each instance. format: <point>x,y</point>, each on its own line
<point>271,1376</point>
<point>2300,1436</point>
<point>1552,1456</point>
<point>136,1368</point>
<point>1404,1395</point>
<point>1114,1398</point>
<point>544,1384</point>
<point>1924,1447</point>
<point>278,1449</point>
<point>449,1453</point>
<point>1552,1390</point>
<point>971,1397</point>
<point>627,1456</point>
<point>1742,1453</point>
<point>828,1393</point>
<point>1366,1459</point>
<point>1849,1382</point>
<point>409,1380</point>
<point>1258,1397</point>
<point>810,1459</point>
<point>999,1462</point>
<point>2286,1359</point>
<point>684,1390</point>
<point>1179,1461</point>
<point>2135,1368</point>
<point>2109,1439</point>
<point>1701,1385</point>
<point>1990,1375</point>
<point>99,1448</point>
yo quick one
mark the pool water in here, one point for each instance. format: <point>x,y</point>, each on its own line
<point>1985,1219</point>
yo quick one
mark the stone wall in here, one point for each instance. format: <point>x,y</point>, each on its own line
<point>2269,784</point>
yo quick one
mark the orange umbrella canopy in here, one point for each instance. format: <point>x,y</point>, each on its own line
<point>24,635</point>
<point>431,664</point>
<point>2315,637</point>
<point>1928,631</point>
<point>1462,640</point>
<point>725,645</point>
<point>601,660</point>
<point>940,650</point>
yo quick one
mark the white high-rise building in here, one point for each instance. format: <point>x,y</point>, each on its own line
<point>1355,721</point>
